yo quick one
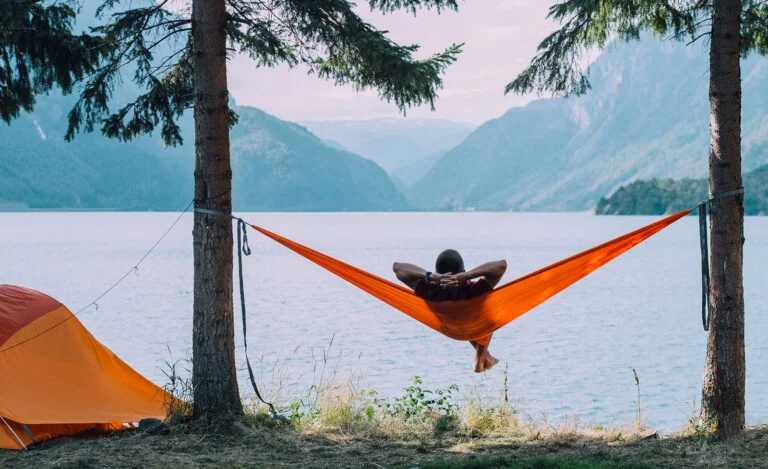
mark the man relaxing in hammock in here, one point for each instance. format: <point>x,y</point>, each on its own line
<point>450,282</point>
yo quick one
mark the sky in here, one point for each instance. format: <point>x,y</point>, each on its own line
<point>500,39</point>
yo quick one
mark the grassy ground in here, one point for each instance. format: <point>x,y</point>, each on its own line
<point>343,427</point>
<point>258,442</point>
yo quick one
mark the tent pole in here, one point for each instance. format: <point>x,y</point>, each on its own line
<point>14,433</point>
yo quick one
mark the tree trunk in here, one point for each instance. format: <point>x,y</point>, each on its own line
<point>722,399</point>
<point>214,378</point>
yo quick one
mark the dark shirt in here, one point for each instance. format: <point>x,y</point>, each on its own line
<point>433,292</point>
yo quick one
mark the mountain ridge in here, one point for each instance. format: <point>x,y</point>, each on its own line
<point>646,116</point>
<point>277,166</point>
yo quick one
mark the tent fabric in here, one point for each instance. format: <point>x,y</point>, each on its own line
<point>57,379</point>
<point>477,318</point>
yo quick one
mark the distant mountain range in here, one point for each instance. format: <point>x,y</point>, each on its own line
<point>405,148</point>
<point>277,165</point>
<point>647,116</point>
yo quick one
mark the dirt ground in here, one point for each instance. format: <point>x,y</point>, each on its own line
<point>268,446</point>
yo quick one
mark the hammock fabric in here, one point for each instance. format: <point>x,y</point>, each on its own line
<point>477,318</point>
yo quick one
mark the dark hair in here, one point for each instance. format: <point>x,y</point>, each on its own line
<point>449,261</point>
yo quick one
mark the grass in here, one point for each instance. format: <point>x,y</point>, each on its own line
<point>256,441</point>
<point>343,426</point>
<point>534,463</point>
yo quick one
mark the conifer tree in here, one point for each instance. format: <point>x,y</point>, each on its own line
<point>734,29</point>
<point>179,57</point>
<point>39,52</point>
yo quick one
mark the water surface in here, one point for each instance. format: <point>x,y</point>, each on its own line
<point>570,358</point>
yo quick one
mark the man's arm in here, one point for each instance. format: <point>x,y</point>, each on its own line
<point>409,274</point>
<point>491,271</point>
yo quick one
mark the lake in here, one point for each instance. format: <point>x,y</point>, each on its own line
<point>569,359</point>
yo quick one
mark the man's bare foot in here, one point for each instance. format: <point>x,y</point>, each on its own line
<point>490,361</point>
<point>485,363</point>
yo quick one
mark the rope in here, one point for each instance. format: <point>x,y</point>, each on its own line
<point>95,303</point>
<point>706,304</point>
<point>244,249</point>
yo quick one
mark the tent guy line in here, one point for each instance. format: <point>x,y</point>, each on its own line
<point>95,303</point>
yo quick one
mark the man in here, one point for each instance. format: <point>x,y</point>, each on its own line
<point>450,282</point>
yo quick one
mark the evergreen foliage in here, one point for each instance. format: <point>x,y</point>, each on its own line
<point>557,67</point>
<point>654,197</point>
<point>326,36</point>
<point>39,52</point>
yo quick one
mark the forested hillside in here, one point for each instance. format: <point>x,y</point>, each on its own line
<point>662,196</point>
<point>277,165</point>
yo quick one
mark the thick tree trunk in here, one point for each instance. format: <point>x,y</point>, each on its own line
<point>722,399</point>
<point>214,377</point>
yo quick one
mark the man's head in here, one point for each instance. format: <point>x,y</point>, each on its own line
<point>449,261</point>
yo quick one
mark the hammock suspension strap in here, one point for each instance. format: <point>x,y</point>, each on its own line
<point>244,249</point>
<point>706,303</point>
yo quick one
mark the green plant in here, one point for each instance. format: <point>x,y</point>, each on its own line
<point>178,390</point>
<point>297,413</point>
<point>419,402</point>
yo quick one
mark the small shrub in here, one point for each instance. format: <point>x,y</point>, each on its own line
<point>419,402</point>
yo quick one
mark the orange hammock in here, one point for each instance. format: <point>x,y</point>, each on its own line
<point>477,318</point>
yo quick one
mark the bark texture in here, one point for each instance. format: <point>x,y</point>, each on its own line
<point>723,389</point>
<point>214,376</point>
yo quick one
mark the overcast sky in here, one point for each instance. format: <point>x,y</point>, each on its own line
<point>500,38</point>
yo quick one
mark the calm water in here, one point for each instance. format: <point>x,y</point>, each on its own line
<point>569,358</point>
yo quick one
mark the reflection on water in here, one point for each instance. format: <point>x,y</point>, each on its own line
<point>570,357</point>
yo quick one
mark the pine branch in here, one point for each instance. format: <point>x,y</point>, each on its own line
<point>39,52</point>
<point>557,67</point>
<point>327,35</point>
<point>358,54</point>
<point>258,37</point>
<point>390,6</point>
<point>136,34</point>
<point>754,28</point>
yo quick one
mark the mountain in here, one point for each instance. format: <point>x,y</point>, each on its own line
<point>38,169</point>
<point>277,165</point>
<point>394,143</point>
<point>665,196</point>
<point>416,170</point>
<point>646,117</point>
<point>280,165</point>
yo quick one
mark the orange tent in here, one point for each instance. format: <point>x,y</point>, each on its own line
<point>57,379</point>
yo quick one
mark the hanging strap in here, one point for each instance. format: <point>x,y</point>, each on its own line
<point>704,265</point>
<point>244,249</point>
<point>706,304</point>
